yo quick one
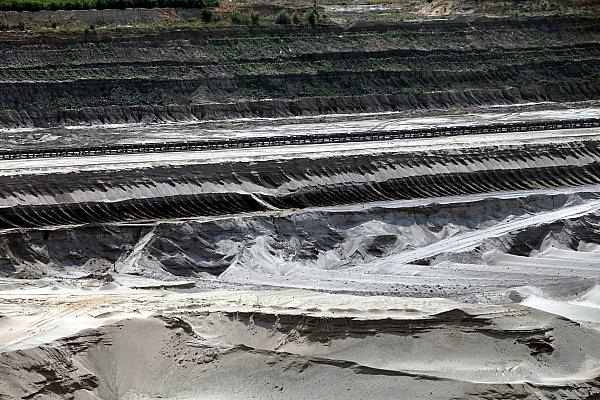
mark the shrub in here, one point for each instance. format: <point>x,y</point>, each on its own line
<point>238,18</point>
<point>207,16</point>
<point>251,18</point>
<point>296,18</point>
<point>254,17</point>
<point>282,18</point>
<point>312,16</point>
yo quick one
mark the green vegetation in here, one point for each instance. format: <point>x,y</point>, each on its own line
<point>483,62</point>
<point>208,16</point>
<point>283,18</point>
<point>216,22</point>
<point>255,17</point>
<point>296,19</point>
<point>249,18</point>
<point>37,5</point>
<point>312,16</point>
<point>238,18</point>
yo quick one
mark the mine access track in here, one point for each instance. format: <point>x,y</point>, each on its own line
<point>367,136</point>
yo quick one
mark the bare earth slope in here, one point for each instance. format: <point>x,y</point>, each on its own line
<point>49,79</point>
<point>214,346</point>
<point>460,265</point>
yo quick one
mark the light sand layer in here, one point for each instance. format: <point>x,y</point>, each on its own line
<point>288,344</point>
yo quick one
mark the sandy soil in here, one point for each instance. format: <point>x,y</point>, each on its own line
<point>248,127</point>
<point>487,295</point>
<point>285,344</point>
<point>155,335</point>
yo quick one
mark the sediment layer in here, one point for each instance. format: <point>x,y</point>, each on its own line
<point>177,76</point>
<point>234,187</point>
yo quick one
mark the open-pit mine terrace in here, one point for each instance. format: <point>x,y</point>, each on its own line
<point>146,181</point>
<point>455,255</point>
<point>389,210</point>
<point>103,77</point>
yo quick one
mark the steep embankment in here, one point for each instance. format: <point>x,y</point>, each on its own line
<point>52,79</point>
<point>474,249</point>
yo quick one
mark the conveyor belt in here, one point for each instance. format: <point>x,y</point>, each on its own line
<point>267,141</point>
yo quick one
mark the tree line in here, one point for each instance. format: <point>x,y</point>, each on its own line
<point>38,5</point>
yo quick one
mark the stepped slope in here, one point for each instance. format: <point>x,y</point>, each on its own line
<point>50,79</point>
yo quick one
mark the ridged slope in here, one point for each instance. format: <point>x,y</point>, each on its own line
<point>50,80</point>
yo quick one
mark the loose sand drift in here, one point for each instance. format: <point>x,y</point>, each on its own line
<point>298,344</point>
<point>179,310</point>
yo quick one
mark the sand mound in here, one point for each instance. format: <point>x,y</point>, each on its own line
<point>478,249</point>
<point>243,355</point>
